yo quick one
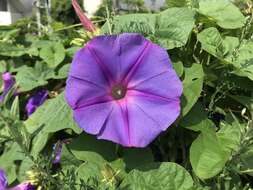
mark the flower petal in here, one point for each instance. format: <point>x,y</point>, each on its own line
<point>118,52</point>
<point>166,84</point>
<point>116,127</point>
<point>143,128</point>
<point>8,82</point>
<point>92,118</point>
<point>79,92</point>
<point>23,186</point>
<point>35,101</point>
<point>3,180</point>
<point>156,61</point>
<point>85,67</point>
<point>163,110</point>
<point>149,116</point>
<point>137,120</point>
<point>57,153</point>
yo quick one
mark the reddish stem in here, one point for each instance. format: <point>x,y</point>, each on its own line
<point>87,24</point>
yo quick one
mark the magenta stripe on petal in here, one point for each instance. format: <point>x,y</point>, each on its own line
<point>135,66</point>
<point>102,66</point>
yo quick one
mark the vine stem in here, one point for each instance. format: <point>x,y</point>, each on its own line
<point>108,20</point>
<point>38,17</point>
<point>48,13</point>
<point>246,171</point>
<point>77,25</point>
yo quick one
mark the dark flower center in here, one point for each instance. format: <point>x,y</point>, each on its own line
<point>118,91</point>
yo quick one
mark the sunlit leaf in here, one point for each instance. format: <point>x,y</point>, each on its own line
<point>222,12</point>
<point>158,176</point>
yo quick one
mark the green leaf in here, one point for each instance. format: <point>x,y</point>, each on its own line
<point>71,51</point>
<point>29,78</point>
<point>25,166</point>
<point>229,136</point>
<point>243,61</point>
<point>211,41</point>
<point>62,73</point>
<point>15,108</point>
<point>240,55</point>
<point>136,157</point>
<point>182,3</point>
<point>10,170</point>
<point>8,34</point>
<point>192,85</point>
<point>136,23</point>
<point>210,151</point>
<point>221,48</point>
<point>222,12</point>
<point>67,158</point>
<point>54,115</point>
<point>11,50</point>
<point>162,28</point>
<point>229,50</point>
<point>10,155</point>
<point>179,67</point>
<point>19,134</point>
<point>171,33</point>
<point>53,54</point>
<point>3,66</point>
<point>89,170</point>
<point>236,138</point>
<point>207,155</point>
<point>88,148</point>
<point>158,176</point>
<point>230,43</point>
<point>196,119</point>
<point>39,142</point>
<point>32,51</point>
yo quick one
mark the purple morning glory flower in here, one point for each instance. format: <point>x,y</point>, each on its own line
<point>123,88</point>
<point>8,82</point>
<point>35,101</point>
<point>4,183</point>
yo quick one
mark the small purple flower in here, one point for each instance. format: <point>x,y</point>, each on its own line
<point>3,180</point>
<point>57,150</point>
<point>57,153</point>
<point>4,183</point>
<point>8,82</point>
<point>23,186</point>
<point>123,88</point>
<point>35,101</point>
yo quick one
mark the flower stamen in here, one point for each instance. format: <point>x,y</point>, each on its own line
<point>118,91</point>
